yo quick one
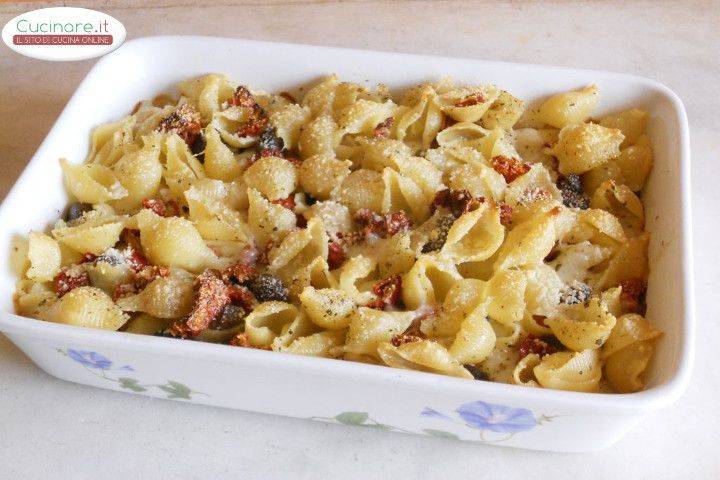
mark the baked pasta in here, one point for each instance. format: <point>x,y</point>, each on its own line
<point>451,230</point>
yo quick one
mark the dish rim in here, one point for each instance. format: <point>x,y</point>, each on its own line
<point>650,399</point>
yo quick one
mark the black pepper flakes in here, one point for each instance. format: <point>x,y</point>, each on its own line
<point>269,141</point>
<point>231,316</point>
<point>75,210</point>
<point>572,192</point>
<point>267,288</point>
<point>476,372</point>
<point>198,147</point>
<point>439,234</point>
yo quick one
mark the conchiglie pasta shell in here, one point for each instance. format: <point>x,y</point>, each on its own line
<point>174,242</point>
<point>86,307</point>
<point>369,328</point>
<point>267,320</point>
<point>475,339</point>
<point>44,256</point>
<point>428,281</point>
<point>630,328</point>
<point>475,236</point>
<point>92,183</point>
<point>424,356</point>
<point>322,344</point>
<point>578,371</point>
<point>581,327</point>
<point>624,368</point>
<point>569,108</point>
<point>89,238</point>
<point>327,307</point>
<point>528,243</point>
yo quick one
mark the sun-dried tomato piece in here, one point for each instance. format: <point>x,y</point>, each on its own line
<point>242,98</point>
<point>164,208</point>
<point>123,290</point>
<point>253,127</point>
<point>506,213</point>
<point>396,222</point>
<point>288,96</point>
<point>533,344</point>
<point>632,296</point>
<point>383,128</point>
<point>470,100</point>
<point>263,257</point>
<point>248,255</point>
<point>510,168</point>
<point>139,280</point>
<point>389,293</point>
<point>457,201</point>
<point>404,338</point>
<point>130,237</point>
<point>447,122</point>
<point>258,120</point>
<point>178,329</point>
<point>540,320</point>
<point>185,121</point>
<point>70,278</point>
<point>534,194</point>
<point>288,202</point>
<point>266,153</point>
<point>212,297</point>
<point>336,255</point>
<point>135,258</point>
<point>149,273</point>
<point>366,217</point>
<point>383,226</point>
<point>242,296</point>
<point>239,274</point>
<point>88,258</point>
<point>294,160</point>
<point>413,333</point>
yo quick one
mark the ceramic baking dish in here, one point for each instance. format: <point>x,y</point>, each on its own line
<point>339,391</point>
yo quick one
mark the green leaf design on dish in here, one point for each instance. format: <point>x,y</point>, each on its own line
<point>378,426</point>
<point>439,433</point>
<point>352,418</point>
<point>130,384</point>
<point>176,390</point>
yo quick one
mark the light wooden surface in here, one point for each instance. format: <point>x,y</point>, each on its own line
<point>52,429</point>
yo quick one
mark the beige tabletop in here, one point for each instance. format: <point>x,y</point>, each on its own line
<point>53,429</point>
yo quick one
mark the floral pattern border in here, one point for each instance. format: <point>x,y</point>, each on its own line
<point>495,423</point>
<point>102,367</point>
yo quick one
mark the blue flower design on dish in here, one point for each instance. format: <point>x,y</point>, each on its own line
<point>490,418</point>
<point>429,412</point>
<point>89,359</point>
<point>101,367</point>
<point>496,418</point>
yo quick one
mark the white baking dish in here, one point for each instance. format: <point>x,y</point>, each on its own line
<point>331,390</point>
